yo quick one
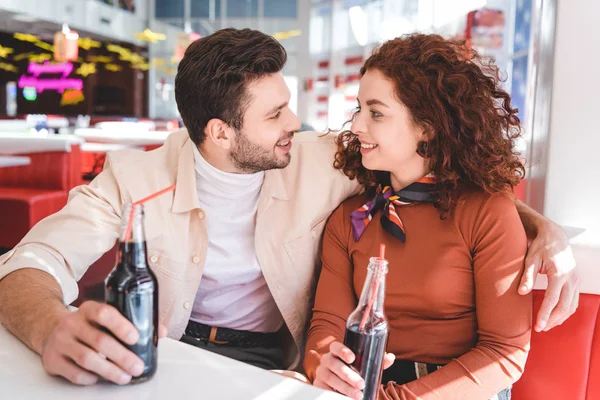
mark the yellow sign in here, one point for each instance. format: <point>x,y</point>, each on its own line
<point>25,37</point>
<point>44,45</point>
<point>158,62</point>
<point>148,36</point>
<point>287,34</point>
<point>88,43</point>
<point>100,59</point>
<point>113,67</point>
<point>8,67</point>
<point>5,51</point>
<point>168,71</point>
<point>117,49</point>
<point>22,56</point>
<point>133,58</point>
<point>86,69</point>
<point>71,97</point>
<point>40,58</point>
<point>141,66</point>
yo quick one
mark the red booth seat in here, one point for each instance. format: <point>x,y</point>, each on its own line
<point>31,192</point>
<point>564,363</point>
<point>22,208</point>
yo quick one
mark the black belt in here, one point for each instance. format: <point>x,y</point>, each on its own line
<point>231,337</point>
<point>404,371</point>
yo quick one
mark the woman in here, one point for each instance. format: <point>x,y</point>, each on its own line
<point>440,131</point>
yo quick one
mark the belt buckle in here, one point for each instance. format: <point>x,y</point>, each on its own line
<point>212,338</point>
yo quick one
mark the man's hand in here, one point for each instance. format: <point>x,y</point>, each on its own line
<point>334,374</point>
<point>551,254</point>
<point>81,351</point>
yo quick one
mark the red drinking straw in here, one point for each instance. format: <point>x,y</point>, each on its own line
<point>142,201</point>
<point>374,291</point>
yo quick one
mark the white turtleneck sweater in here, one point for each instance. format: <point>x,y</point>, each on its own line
<point>233,292</point>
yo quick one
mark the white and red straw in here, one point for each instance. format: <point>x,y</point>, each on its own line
<point>142,201</point>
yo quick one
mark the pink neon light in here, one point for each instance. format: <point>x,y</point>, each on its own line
<point>37,69</point>
<point>60,85</point>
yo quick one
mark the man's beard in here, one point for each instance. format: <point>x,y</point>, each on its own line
<point>249,157</point>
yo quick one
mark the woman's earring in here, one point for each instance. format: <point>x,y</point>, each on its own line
<point>423,149</point>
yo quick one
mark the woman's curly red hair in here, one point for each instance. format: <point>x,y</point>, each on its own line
<point>453,93</point>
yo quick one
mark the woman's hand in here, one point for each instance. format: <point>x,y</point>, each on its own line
<point>334,374</point>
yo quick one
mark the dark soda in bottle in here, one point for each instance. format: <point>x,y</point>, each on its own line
<point>132,288</point>
<point>367,329</point>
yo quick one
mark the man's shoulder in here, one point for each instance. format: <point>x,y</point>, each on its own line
<point>165,156</point>
<point>313,150</point>
<point>319,144</point>
<point>139,173</point>
<point>312,138</point>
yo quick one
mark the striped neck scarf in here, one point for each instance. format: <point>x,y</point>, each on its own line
<point>385,199</point>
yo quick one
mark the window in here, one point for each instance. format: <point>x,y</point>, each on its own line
<point>169,9</point>
<point>281,8</point>
<point>202,27</point>
<point>242,8</point>
<point>201,8</point>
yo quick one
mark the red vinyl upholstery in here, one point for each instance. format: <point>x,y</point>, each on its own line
<point>22,208</point>
<point>46,171</point>
<point>521,190</point>
<point>564,363</point>
<point>593,386</point>
<point>31,192</point>
<point>91,284</point>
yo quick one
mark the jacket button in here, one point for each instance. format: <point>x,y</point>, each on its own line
<point>195,259</point>
<point>201,214</point>
<point>153,259</point>
<point>186,305</point>
<point>313,233</point>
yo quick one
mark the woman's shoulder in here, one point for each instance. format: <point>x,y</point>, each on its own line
<point>478,213</point>
<point>340,218</point>
<point>475,201</point>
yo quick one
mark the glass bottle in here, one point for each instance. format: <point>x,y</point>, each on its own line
<point>132,288</point>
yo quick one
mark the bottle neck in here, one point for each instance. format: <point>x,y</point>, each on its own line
<point>374,285</point>
<point>132,249</point>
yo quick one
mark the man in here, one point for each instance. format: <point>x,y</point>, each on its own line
<point>234,247</point>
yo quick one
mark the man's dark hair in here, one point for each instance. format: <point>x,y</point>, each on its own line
<point>213,76</point>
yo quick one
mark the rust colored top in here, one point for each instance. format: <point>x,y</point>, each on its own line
<point>451,294</point>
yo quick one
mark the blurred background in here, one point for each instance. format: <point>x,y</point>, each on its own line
<point>98,75</point>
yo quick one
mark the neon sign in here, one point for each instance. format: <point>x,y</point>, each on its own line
<point>71,97</point>
<point>37,69</point>
<point>58,84</point>
<point>29,94</point>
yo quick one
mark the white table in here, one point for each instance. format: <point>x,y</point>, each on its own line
<point>139,126</point>
<point>131,138</point>
<point>21,125</point>
<point>13,161</point>
<point>184,372</point>
<point>15,125</point>
<point>35,142</point>
<point>105,147</point>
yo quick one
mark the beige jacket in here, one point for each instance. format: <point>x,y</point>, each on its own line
<point>294,205</point>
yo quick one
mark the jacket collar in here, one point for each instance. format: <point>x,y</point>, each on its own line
<point>186,194</point>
